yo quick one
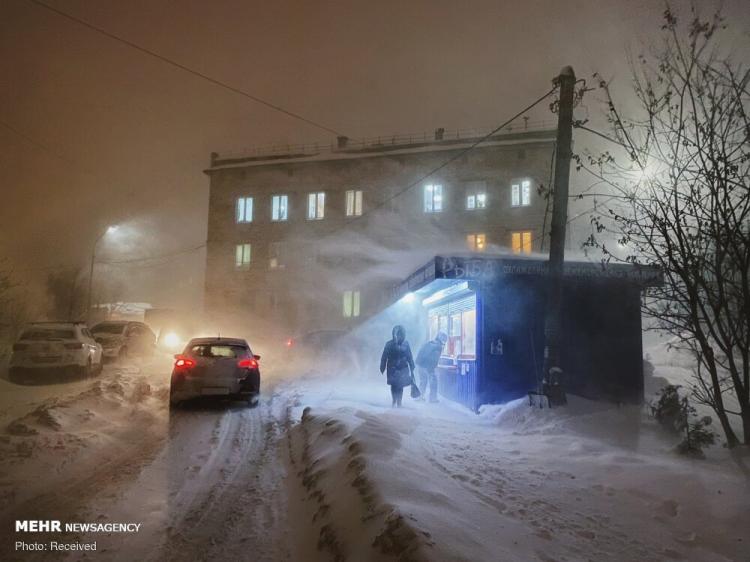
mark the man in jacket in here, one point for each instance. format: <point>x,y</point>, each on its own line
<point>427,361</point>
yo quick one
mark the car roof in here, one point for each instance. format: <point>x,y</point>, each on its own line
<point>218,340</point>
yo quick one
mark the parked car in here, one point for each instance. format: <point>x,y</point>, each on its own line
<point>218,367</point>
<point>124,338</point>
<point>46,347</point>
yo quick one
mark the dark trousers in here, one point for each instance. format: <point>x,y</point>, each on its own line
<point>397,394</point>
<point>426,377</point>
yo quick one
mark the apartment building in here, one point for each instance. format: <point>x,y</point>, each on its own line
<point>304,237</point>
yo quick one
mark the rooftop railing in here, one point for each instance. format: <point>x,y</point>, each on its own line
<point>344,144</point>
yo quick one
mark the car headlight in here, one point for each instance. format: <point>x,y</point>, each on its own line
<point>171,340</point>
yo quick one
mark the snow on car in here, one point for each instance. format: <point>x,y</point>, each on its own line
<point>219,367</point>
<point>122,339</point>
<point>54,347</point>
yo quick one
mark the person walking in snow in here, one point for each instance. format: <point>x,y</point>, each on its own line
<point>427,361</point>
<point>398,364</point>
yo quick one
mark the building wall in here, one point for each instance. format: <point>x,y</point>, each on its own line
<point>325,257</point>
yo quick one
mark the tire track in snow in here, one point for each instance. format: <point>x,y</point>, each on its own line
<point>233,506</point>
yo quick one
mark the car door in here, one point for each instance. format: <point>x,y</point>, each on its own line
<point>148,338</point>
<point>138,338</point>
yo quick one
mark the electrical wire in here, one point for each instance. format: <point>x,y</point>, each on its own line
<point>151,258</point>
<point>120,262</point>
<point>185,68</point>
<point>443,164</point>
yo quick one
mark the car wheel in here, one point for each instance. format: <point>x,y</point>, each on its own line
<point>174,404</point>
<point>253,400</point>
<point>99,367</point>
<point>14,375</point>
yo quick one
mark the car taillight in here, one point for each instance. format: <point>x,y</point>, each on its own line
<point>248,364</point>
<point>289,342</point>
<point>184,363</point>
<point>74,345</point>
<point>19,346</point>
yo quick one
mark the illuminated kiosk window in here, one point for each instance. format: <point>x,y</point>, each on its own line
<point>242,256</point>
<point>433,198</point>
<point>476,195</point>
<point>520,242</point>
<point>316,203</point>
<point>520,194</point>
<point>353,203</point>
<point>453,312</point>
<point>244,210</point>
<point>351,304</point>
<point>476,242</point>
<point>279,208</point>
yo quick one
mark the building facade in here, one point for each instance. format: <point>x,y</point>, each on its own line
<point>310,238</point>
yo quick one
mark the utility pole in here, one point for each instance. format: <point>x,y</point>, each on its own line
<point>109,230</point>
<point>552,322</point>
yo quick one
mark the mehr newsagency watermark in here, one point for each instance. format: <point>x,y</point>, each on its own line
<point>54,526</point>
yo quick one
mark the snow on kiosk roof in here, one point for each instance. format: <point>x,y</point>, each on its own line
<point>492,308</point>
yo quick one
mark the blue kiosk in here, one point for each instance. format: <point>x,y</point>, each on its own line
<point>493,309</point>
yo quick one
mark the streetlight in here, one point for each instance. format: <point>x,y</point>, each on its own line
<point>110,230</point>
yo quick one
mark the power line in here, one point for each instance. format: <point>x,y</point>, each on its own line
<point>444,164</point>
<point>151,258</point>
<point>187,69</point>
<point>118,262</point>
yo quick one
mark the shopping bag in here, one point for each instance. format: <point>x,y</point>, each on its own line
<point>414,389</point>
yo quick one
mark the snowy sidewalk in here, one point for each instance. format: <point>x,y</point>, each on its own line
<point>437,482</point>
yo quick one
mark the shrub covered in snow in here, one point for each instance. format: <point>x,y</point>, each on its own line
<point>674,413</point>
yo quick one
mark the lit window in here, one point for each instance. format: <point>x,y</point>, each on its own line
<point>351,304</point>
<point>525,193</point>
<point>521,242</point>
<point>476,242</point>
<point>433,198</point>
<point>316,203</point>
<point>242,255</point>
<point>476,195</point>
<point>244,209</point>
<point>279,208</point>
<point>353,203</point>
<point>520,194</point>
<point>461,328</point>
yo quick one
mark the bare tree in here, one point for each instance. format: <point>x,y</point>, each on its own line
<point>681,200</point>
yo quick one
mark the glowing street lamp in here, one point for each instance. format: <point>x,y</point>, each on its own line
<point>110,230</point>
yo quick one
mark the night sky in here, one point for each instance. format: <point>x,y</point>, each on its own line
<point>95,132</point>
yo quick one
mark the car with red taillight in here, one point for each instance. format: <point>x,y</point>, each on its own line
<point>216,367</point>
<point>46,347</point>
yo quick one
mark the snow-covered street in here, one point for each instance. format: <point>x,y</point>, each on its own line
<point>324,469</point>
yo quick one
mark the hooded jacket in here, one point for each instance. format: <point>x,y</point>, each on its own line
<point>429,355</point>
<point>397,362</point>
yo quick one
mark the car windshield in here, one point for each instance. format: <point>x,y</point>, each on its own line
<point>48,334</point>
<point>210,350</point>
<point>108,329</point>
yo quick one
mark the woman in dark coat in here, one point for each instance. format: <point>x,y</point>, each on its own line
<point>398,364</point>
